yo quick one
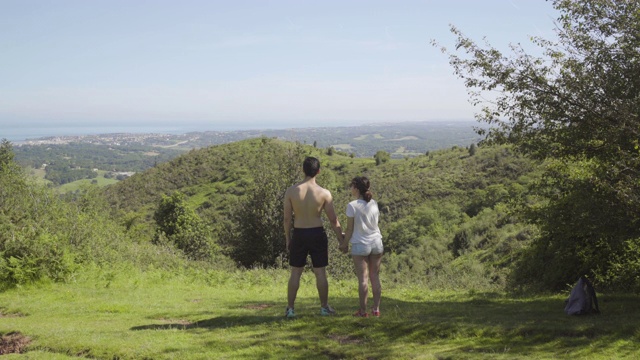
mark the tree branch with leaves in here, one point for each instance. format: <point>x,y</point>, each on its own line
<point>577,104</point>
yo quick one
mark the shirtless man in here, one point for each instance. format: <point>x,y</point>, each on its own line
<point>307,200</point>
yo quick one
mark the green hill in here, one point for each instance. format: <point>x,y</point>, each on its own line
<point>450,218</point>
<point>212,177</point>
<point>444,214</point>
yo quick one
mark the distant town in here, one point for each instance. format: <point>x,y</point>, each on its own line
<point>114,139</point>
<point>399,139</point>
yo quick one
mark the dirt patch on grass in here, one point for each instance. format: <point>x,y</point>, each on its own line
<point>346,339</point>
<point>258,306</point>
<point>13,343</point>
<point>4,314</point>
<point>182,322</point>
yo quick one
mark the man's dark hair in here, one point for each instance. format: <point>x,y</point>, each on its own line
<point>311,166</point>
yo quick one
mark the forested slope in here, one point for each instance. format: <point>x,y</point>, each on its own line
<point>439,209</point>
<point>45,237</point>
<point>453,218</point>
<point>213,178</point>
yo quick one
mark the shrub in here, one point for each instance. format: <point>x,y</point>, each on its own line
<point>180,226</point>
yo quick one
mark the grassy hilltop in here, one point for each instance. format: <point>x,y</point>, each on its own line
<point>239,315</point>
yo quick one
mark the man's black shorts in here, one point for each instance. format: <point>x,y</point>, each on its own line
<point>311,241</point>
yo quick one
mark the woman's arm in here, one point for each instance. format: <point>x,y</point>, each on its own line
<point>344,245</point>
<point>349,233</point>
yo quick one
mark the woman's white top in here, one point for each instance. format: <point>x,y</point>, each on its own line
<point>365,222</point>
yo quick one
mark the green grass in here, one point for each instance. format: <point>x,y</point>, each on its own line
<point>366,136</point>
<point>402,151</point>
<point>218,315</point>
<point>76,185</point>
<point>343,147</point>
<point>39,174</point>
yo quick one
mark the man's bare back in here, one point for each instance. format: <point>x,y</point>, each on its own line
<point>303,203</point>
<point>307,201</point>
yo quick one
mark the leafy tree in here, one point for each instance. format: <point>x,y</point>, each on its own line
<point>382,157</point>
<point>256,236</point>
<point>577,104</point>
<point>330,151</point>
<point>473,149</point>
<point>179,225</point>
<point>6,153</point>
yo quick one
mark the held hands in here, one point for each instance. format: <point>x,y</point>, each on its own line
<point>344,245</point>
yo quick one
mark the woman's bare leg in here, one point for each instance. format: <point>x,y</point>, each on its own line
<point>362,270</point>
<point>374,274</point>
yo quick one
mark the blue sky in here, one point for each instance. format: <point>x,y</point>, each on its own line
<point>244,63</point>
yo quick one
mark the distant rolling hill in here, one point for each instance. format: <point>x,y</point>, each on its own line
<point>69,158</point>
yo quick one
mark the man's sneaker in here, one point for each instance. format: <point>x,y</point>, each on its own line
<point>289,313</point>
<point>327,310</point>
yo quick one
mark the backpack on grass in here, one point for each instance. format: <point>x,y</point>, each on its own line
<point>583,299</point>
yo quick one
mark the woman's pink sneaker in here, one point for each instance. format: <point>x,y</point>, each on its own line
<point>375,313</point>
<point>360,314</point>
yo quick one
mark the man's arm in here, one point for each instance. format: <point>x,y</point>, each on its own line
<point>333,218</point>
<point>288,216</point>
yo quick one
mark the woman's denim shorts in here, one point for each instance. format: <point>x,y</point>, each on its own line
<point>374,248</point>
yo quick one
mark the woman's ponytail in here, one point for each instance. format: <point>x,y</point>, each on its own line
<point>362,184</point>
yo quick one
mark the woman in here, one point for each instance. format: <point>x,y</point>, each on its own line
<point>366,243</point>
